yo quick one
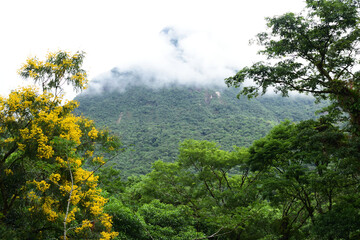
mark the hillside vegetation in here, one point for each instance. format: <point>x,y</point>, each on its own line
<point>153,122</point>
<point>285,180</point>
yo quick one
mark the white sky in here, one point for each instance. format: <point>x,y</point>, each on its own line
<point>213,35</point>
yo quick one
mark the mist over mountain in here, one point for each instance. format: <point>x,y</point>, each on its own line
<point>119,81</point>
<point>181,57</point>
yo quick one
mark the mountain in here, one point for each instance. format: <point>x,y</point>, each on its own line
<point>153,121</point>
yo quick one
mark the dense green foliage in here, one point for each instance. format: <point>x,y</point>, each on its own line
<point>295,183</point>
<point>154,121</point>
<point>299,180</point>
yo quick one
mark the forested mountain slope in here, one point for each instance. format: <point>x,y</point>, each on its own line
<point>152,122</point>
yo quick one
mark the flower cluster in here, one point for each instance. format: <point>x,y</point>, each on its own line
<point>41,186</point>
<point>108,235</point>
<point>47,208</point>
<point>84,225</point>
<point>58,67</point>
<point>9,171</point>
<point>93,134</point>
<point>55,177</point>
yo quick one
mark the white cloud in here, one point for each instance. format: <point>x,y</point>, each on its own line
<point>127,34</point>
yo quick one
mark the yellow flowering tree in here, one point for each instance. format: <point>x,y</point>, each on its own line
<point>46,191</point>
<point>58,69</point>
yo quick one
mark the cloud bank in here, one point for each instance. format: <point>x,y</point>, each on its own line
<point>187,41</point>
<point>182,57</point>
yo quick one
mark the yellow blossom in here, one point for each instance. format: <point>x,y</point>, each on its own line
<point>75,197</point>
<point>70,130</point>
<point>88,123</point>
<point>89,153</point>
<point>106,221</point>
<point>93,134</point>
<point>85,224</point>
<point>66,188</point>
<point>80,78</point>
<point>47,209</point>
<point>32,195</point>
<point>50,55</point>
<point>45,151</point>
<point>96,207</point>
<point>8,140</point>
<point>81,175</point>
<point>55,177</point>
<point>99,160</point>
<point>33,74</point>
<point>21,146</point>
<point>108,235</point>
<point>71,215</point>
<point>42,185</point>
<point>60,161</point>
<point>25,133</point>
<point>8,172</point>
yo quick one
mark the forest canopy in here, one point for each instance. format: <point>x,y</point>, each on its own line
<point>300,181</point>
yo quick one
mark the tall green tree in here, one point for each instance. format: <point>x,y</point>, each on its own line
<point>304,174</point>
<point>221,205</point>
<point>312,52</point>
<point>310,170</point>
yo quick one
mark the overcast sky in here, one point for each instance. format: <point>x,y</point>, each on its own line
<point>187,40</point>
